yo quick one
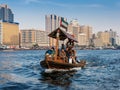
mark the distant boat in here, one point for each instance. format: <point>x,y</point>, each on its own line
<point>56,62</point>
<point>3,47</point>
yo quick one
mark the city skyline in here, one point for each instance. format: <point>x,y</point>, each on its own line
<point>100,14</point>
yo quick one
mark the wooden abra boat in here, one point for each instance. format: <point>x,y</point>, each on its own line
<point>61,64</point>
<point>56,62</point>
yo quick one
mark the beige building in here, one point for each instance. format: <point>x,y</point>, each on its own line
<point>42,38</point>
<point>82,39</point>
<point>9,34</point>
<point>31,37</point>
<point>28,38</point>
<point>88,31</point>
<point>105,38</point>
<point>82,33</point>
<point>73,28</point>
<point>97,42</point>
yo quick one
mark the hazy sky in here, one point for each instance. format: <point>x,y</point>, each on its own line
<point>100,14</point>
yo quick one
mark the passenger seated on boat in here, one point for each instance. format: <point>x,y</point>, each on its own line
<point>53,51</point>
<point>62,46</point>
<point>74,53</point>
<point>70,43</point>
<point>67,54</point>
<point>63,55</point>
<point>50,53</point>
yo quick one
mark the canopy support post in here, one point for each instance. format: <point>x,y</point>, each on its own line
<point>57,45</point>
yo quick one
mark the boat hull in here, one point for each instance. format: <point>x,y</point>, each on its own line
<point>58,65</point>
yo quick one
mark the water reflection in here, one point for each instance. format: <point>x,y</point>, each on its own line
<point>59,78</point>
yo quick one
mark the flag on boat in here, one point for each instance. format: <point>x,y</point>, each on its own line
<point>63,23</point>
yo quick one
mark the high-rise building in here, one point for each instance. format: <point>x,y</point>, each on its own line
<point>6,14</point>
<point>88,31</point>
<point>118,40</point>
<point>9,30</point>
<point>105,38</point>
<point>52,22</point>
<point>73,28</point>
<point>97,42</point>
<point>82,39</point>
<point>113,35</point>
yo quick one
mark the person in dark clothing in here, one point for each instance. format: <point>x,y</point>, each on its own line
<point>63,55</point>
<point>67,53</point>
<point>70,43</point>
<point>50,53</point>
<point>62,46</point>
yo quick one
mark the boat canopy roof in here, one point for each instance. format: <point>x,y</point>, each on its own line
<point>62,35</point>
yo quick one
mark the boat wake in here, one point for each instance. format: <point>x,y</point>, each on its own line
<point>61,70</point>
<point>59,77</point>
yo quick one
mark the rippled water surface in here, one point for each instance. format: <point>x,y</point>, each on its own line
<point>20,70</point>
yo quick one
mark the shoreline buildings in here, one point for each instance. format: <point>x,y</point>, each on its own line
<point>87,30</point>
<point>12,37</point>
<point>106,39</point>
